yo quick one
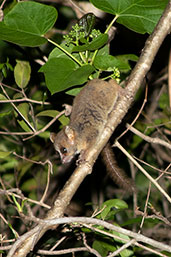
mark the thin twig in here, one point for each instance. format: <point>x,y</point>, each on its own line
<point>11,192</point>
<point>91,250</point>
<point>64,251</point>
<point>26,121</point>
<point>33,133</point>
<point>45,127</point>
<point>58,243</point>
<point>50,171</point>
<point>50,168</point>
<point>115,253</point>
<point>24,99</point>
<point>138,114</point>
<point>149,249</point>
<point>2,4</point>
<point>143,171</point>
<point>7,223</point>
<point>145,208</point>
<point>153,167</point>
<point>153,140</point>
<point>169,77</point>
<point>12,88</point>
<point>15,133</point>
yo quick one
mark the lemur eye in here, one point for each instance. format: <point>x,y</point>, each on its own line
<point>63,150</point>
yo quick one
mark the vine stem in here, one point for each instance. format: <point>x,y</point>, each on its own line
<point>106,31</point>
<point>112,22</point>
<point>65,51</point>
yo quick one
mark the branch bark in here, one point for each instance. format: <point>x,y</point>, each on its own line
<point>93,221</point>
<point>27,241</point>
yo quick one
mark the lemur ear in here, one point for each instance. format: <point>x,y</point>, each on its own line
<point>69,132</point>
<point>52,137</point>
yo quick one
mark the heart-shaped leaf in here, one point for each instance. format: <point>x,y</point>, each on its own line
<point>27,22</point>
<point>62,73</point>
<point>138,15</point>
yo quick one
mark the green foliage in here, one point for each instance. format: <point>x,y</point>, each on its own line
<point>164,103</point>
<point>140,16</point>
<point>95,44</point>
<point>19,207</point>
<point>27,22</point>
<point>111,207</point>
<point>87,23</point>
<point>62,73</point>
<point>4,67</point>
<point>22,73</point>
<point>3,155</point>
<point>82,29</point>
<point>53,113</point>
<point>103,247</point>
<point>109,62</point>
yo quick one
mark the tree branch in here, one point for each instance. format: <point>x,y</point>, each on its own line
<point>153,140</point>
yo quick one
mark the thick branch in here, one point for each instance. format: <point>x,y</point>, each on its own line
<point>93,221</point>
<point>28,240</point>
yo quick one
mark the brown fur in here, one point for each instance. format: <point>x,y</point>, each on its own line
<point>89,115</point>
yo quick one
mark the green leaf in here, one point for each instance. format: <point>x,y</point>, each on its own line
<point>120,235</point>
<point>8,65</point>
<point>97,245</point>
<point>2,97</point>
<point>13,230</point>
<point>126,252</point>
<point>97,43</point>
<point>23,168</point>
<point>56,52</point>
<point>24,109</point>
<point>53,113</point>
<point>74,91</point>
<point>87,23</point>
<point>62,73</point>
<point>132,221</point>
<point>17,204</point>
<point>127,57</point>
<point>5,113</point>
<point>109,62</point>
<point>29,185</point>
<point>48,113</point>
<point>164,101</point>
<point>22,73</point>
<point>27,22</point>
<point>4,154</point>
<point>103,247</point>
<point>45,135</point>
<point>110,204</point>
<point>104,50</point>
<point>138,15</point>
<point>21,38</point>
<point>10,163</point>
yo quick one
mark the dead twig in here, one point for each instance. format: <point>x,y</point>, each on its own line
<point>153,140</point>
